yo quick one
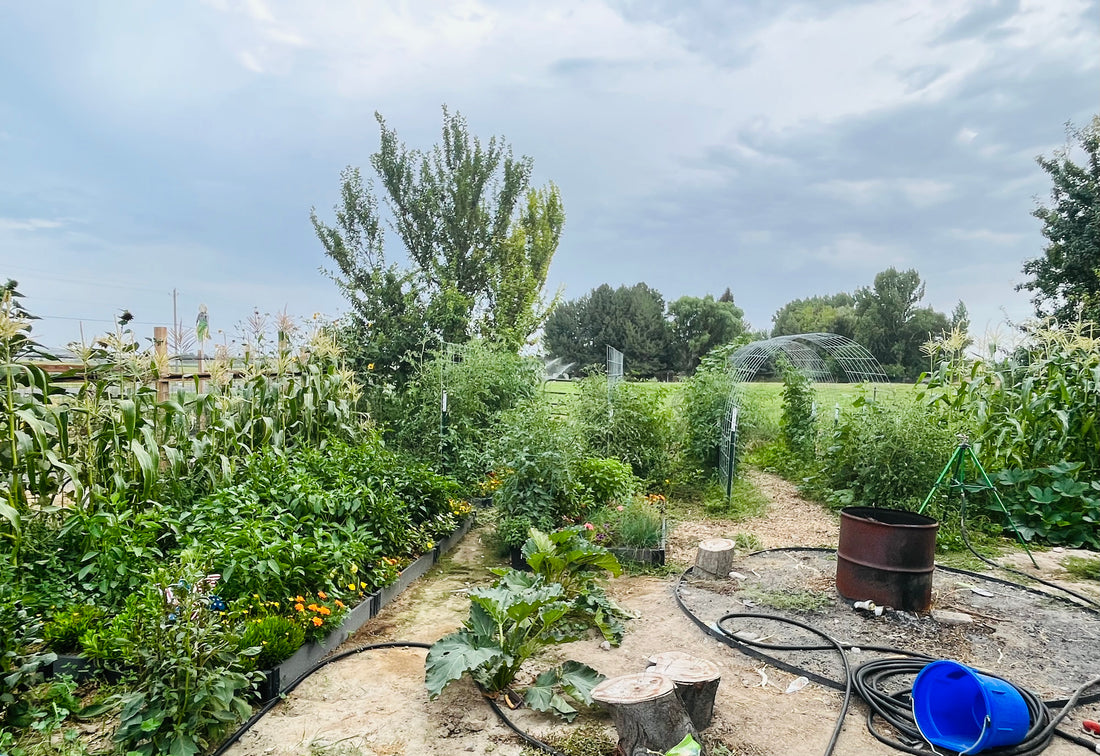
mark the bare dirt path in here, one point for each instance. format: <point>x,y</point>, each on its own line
<point>375,703</point>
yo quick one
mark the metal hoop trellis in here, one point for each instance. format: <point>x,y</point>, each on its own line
<point>804,351</point>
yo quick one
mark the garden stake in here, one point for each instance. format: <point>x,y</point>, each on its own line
<point>957,465</point>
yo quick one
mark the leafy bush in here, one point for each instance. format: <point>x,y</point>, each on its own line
<point>19,661</point>
<point>276,637</point>
<point>63,630</point>
<point>481,382</point>
<point>796,426</point>
<point>884,455</point>
<point>535,453</point>
<point>604,481</point>
<point>190,690</point>
<point>1031,416</point>
<point>633,425</point>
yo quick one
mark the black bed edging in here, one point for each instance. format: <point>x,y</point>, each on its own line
<point>644,556</point>
<point>282,677</point>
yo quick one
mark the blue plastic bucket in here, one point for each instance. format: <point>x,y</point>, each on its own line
<point>959,708</point>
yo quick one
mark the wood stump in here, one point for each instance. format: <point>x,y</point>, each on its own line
<point>696,682</point>
<point>647,712</point>
<point>714,559</point>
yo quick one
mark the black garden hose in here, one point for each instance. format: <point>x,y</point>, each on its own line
<point>894,708</point>
<point>267,707</point>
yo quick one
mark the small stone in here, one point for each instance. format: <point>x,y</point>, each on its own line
<point>606,646</point>
<point>1058,550</point>
<point>946,617</point>
<point>738,576</point>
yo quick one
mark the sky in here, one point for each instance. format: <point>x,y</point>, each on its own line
<point>781,148</point>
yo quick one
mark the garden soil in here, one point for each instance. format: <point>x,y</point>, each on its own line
<point>374,703</point>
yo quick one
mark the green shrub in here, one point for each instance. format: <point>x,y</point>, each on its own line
<point>633,424</point>
<point>19,661</point>
<point>536,454</point>
<point>190,692</point>
<point>481,383</point>
<point>276,637</point>
<point>881,455</point>
<point>604,481</point>
<point>63,630</point>
<point>796,426</point>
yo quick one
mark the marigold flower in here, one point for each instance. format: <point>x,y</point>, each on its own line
<point>299,599</point>
<point>299,607</point>
<point>321,595</point>
<point>318,621</point>
<point>324,610</point>
<point>314,608</point>
<point>339,603</point>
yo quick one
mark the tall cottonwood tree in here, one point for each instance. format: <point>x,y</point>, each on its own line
<point>1065,280</point>
<point>476,238</point>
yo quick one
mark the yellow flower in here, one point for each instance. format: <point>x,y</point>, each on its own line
<point>351,586</point>
<point>363,586</point>
<point>354,569</point>
<point>370,366</point>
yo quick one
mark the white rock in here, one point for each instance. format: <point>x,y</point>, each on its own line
<point>606,645</point>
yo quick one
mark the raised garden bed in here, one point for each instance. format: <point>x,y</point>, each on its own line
<point>278,680</point>
<point>644,556</point>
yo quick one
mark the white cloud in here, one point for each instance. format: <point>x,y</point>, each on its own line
<point>853,250</point>
<point>917,192</point>
<point>248,60</point>
<point>986,236</point>
<point>29,224</point>
<point>966,135</point>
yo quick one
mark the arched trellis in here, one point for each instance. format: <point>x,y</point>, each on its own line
<point>804,352</point>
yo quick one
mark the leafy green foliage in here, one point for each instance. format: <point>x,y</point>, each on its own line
<point>553,687</point>
<point>19,660</point>
<point>535,452</point>
<point>797,423</point>
<point>602,481</point>
<point>191,692</point>
<point>509,622</point>
<point>698,326</point>
<point>637,524</point>
<point>473,242</point>
<point>890,324</point>
<point>63,630</point>
<point>820,314</point>
<point>1065,281</point>
<point>1031,416</point>
<point>633,424</point>
<point>481,382</point>
<point>276,637</point>
<point>567,558</point>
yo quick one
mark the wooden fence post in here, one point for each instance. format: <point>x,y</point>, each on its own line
<point>160,343</point>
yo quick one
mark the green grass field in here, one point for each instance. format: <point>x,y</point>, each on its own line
<point>768,395</point>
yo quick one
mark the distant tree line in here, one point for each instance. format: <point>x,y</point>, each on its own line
<point>657,340</point>
<point>660,340</point>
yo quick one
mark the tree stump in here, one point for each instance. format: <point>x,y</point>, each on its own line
<point>647,712</point>
<point>714,558</point>
<point>696,682</point>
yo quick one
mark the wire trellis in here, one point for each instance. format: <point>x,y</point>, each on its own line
<point>614,369</point>
<point>804,350</point>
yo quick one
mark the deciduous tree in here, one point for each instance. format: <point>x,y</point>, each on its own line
<point>1065,280</point>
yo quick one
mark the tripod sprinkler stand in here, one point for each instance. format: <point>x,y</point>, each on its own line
<point>956,466</point>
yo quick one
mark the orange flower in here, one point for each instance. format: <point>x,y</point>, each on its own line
<point>321,595</point>
<point>299,599</point>
<point>324,610</point>
<point>339,603</point>
<point>299,607</point>
<point>318,621</point>
<point>314,608</point>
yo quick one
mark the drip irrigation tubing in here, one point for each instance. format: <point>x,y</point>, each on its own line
<point>267,707</point>
<point>868,678</point>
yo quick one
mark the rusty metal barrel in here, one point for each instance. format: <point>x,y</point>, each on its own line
<point>887,556</point>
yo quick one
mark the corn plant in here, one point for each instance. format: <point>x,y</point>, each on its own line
<point>1032,416</point>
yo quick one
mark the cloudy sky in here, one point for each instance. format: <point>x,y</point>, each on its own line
<point>782,148</point>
